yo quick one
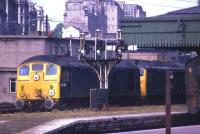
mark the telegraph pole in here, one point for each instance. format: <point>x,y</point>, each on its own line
<point>169,77</point>
<point>47,25</point>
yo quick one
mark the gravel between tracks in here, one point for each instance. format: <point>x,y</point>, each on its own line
<point>84,112</point>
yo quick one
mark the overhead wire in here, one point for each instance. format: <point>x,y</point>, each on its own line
<point>189,1</point>
<point>155,4</point>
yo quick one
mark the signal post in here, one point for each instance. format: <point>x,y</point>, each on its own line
<point>102,63</point>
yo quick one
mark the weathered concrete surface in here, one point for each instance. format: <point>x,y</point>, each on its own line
<point>175,130</point>
<point>116,123</point>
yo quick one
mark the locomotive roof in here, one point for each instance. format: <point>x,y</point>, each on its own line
<point>59,60</point>
<point>159,65</point>
<point>73,61</point>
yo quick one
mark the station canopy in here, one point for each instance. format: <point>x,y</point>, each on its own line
<point>178,29</point>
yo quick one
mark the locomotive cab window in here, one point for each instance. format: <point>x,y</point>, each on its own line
<point>51,69</point>
<point>141,72</point>
<point>24,70</point>
<point>37,67</point>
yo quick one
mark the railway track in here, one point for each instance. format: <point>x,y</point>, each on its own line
<point>81,112</point>
<point>6,108</point>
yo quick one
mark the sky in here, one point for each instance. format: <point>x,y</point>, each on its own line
<point>55,8</point>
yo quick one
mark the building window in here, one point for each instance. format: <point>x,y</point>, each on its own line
<point>54,49</point>
<point>63,50</point>
<point>12,85</point>
<point>76,53</point>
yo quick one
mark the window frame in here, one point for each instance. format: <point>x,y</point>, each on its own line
<point>37,65</point>
<point>141,71</point>
<point>53,66</point>
<point>28,70</point>
<point>10,85</point>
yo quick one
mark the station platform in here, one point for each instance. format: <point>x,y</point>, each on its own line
<point>116,123</point>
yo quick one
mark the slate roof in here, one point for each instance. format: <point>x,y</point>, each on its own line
<point>191,10</point>
<point>183,12</point>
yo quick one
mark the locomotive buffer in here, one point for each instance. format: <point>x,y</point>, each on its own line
<point>101,57</point>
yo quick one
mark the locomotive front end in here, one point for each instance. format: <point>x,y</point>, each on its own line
<point>38,85</point>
